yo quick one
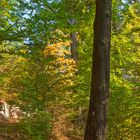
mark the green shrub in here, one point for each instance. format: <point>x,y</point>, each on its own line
<point>37,126</point>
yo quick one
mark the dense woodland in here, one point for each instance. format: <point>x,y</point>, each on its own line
<point>46,73</point>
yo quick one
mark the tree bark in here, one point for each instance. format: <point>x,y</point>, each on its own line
<point>74,42</point>
<point>98,106</point>
<point>74,51</point>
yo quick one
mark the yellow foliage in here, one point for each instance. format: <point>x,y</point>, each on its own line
<point>21,59</point>
<point>57,49</point>
<point>61,62</point>
<point>23,51</point>
<point>60,59</point>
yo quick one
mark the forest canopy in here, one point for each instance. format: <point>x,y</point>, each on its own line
<point>46,55</point>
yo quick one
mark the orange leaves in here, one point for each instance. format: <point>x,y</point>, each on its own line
<point>60,44</point>
<point>61,62</point>
<point>57,50</point>
<point>60,59</point>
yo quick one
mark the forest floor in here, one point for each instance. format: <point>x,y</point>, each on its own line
<point>62,130</point>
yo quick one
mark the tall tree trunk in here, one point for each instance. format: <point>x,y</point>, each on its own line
<point>74,42</point>
<point>98,107</point>
<point>74,51</point>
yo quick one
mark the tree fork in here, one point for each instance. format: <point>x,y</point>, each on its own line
<point>98,106</point>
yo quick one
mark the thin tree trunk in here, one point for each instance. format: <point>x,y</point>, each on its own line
<point>74,42</point>
<point>98,107</point>
<point>74,51</point>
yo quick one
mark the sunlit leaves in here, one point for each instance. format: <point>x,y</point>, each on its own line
<point>124,76</point>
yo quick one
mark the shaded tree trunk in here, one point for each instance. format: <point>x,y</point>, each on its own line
<point>74,42</point>
<point>98,107</point>
<point>74,51</point>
